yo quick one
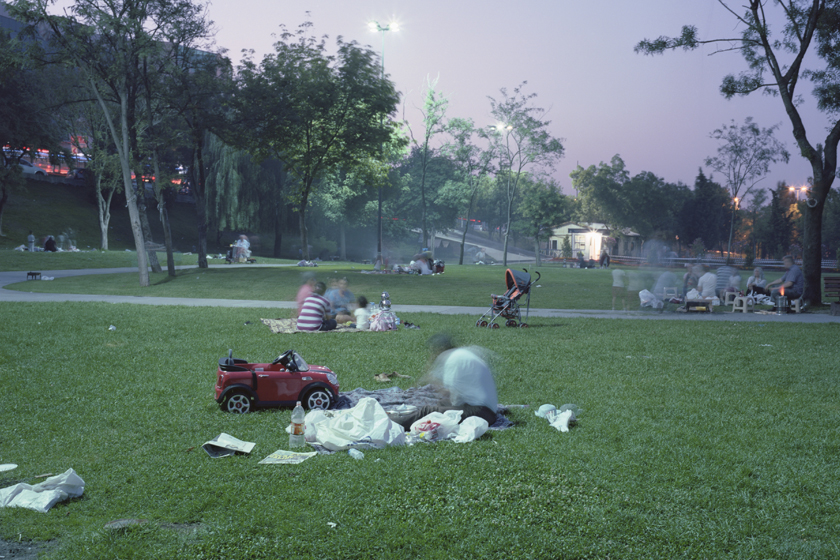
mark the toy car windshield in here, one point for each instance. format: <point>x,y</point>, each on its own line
<point>293,361</point>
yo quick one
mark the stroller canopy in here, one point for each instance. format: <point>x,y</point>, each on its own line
<point>518,282</point>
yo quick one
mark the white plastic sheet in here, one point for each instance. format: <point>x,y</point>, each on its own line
<point>366,423</point>
<point>41,497</point>
<point>470,430</point>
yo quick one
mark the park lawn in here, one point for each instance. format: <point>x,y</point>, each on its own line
<point>24,261</point>
<point>468,285</point>
<point>697,440</point>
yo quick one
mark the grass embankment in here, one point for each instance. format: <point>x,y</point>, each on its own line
<point>49,208</point>
<point>558,288</point>
<point>697,440</point>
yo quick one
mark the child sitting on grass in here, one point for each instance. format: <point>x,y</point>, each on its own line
<point>362,314</point>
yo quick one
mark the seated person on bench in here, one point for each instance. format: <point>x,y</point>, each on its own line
<point>463,378</point>
<point>793,282</point>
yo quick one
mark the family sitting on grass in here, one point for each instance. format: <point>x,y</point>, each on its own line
<point>320,309</point>
<point>699,283</point>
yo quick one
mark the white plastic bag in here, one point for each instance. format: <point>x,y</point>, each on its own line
<point>469,430</point>
<point>367,422</point>
<point>692,294</point>
<point>41,497</point>
<point>448,423</point>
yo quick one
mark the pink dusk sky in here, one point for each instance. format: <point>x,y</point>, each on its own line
<point>577,56</point>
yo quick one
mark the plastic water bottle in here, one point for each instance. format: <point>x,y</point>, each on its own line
<point>297,427</point>
<point>356,454</point>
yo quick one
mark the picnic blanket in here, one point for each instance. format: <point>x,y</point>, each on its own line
<point>287,326</point>
<point>427,395</point>
<point>392,397</point>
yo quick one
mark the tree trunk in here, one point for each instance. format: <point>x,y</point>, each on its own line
<point>278,230</point>
<point>812,251</point>
<point>200,204</point>
<point>4,197</point>
<point>304,241</point>
<point>731,230</point>
<point>163,214</point>
<point>464,238</point>
<point>144,222</point>
<point>343,241</point>
<point>537,250</point>
<point>104,206</point>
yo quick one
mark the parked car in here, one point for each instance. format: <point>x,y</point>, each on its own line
<point>242,386</point>
<point>29,169</point>
<point>79,177</point>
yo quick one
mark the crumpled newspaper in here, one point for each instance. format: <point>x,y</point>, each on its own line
<point>41,497</point>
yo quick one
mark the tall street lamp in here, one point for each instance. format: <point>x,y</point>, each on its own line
<point>377,28</point>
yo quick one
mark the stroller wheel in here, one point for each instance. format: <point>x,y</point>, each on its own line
<point>481,324</point>
<point>510,323</point>
<point>494,326</point>
<point>523,326</point>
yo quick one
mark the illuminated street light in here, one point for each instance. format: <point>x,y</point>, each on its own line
<point>375,27</point>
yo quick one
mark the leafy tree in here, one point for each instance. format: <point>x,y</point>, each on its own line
<point>775,59</point>
<point>743,158</point>
<point>644,203</point>
<point>26,123</point>
<point>434,113</point>
<point>521,141</point>
<point>314,111</point>
<point>704,214</point>
<point>542,207</point>
<point>105,42</point>
<point>472,163</point>
<point>91,138</point>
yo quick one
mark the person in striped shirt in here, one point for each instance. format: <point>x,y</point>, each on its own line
<point>314,315</point>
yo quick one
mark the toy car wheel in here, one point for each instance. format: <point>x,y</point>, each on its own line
<point>510,323</point>
<point>523,326</point>
<point>494,326</point>
<point>238,403</point>
<point>317,399</point>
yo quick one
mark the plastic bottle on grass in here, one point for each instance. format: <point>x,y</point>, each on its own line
<point>297,427</point>
<point>356,454</point>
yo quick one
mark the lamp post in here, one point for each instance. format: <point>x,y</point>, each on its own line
<point>377,28</point>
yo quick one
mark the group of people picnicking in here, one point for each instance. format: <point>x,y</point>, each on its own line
<point>322,309</point>
<point>700,283</point>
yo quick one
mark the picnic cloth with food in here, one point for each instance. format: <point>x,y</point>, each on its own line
<point>289,326</point>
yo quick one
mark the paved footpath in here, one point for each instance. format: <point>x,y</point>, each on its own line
<point>20,276</point>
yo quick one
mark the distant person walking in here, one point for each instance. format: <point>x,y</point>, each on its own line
<point>618,287</point>
<point>30,239</point>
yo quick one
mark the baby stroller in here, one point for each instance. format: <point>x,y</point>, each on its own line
<point>507,305</point>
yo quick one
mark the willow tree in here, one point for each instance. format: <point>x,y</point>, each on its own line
<point>244,194</point>
<point>314,111</point>
<point>775,39</point>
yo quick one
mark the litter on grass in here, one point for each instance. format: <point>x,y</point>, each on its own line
<point>41,497</point>
<point>283,457</point>
<point>225,445</point>
<point>7,467</point>
<point>561,418</point>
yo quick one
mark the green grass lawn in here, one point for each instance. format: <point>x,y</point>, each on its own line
<point>697,440</point>
<point>559,288</point>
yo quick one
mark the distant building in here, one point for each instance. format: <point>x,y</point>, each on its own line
<point>590,237</point>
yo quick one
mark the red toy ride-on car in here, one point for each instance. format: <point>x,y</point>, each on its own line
<point>242,386</point>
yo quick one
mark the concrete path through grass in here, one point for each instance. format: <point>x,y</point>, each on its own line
<point>19,276</point>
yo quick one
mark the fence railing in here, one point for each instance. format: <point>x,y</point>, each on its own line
<point>827,264</point>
